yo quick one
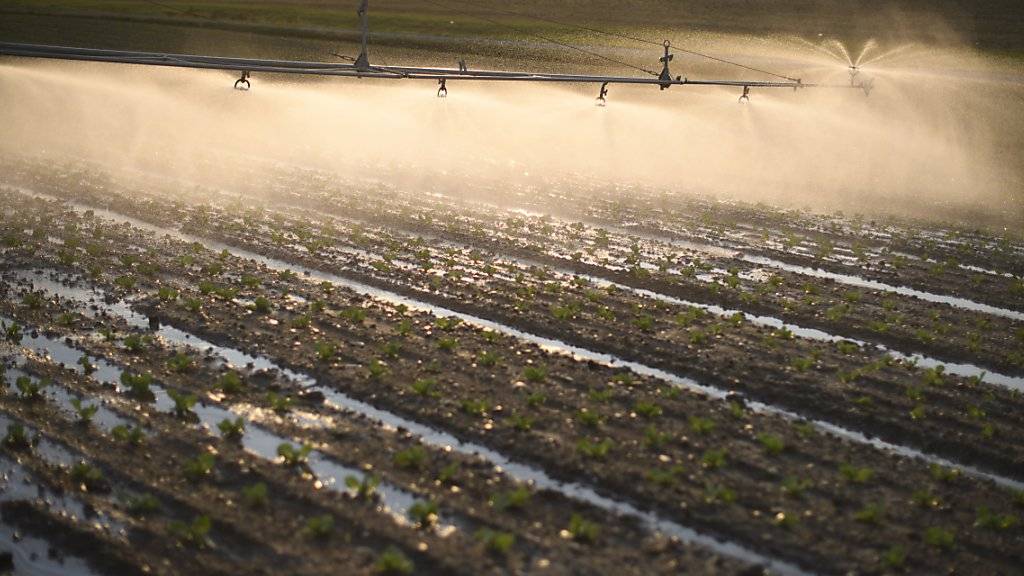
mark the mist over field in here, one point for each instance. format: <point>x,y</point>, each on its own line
<point>939,132</point>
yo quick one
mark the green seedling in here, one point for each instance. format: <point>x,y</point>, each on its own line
<point>133,436</point>
<point>279,403</point>
<point>943,474</point>
<point>425,387</point>
<point>167,294</point>
<point>232,430</point>
<point>939,538</point>
<point>654,439</point>
<point>391,349</point>
<point>87,366</point>
<point>183,403</point>
<point>292,456</point>
<point>494,541</point>
<point>392,562</point>
<point>701,425</point>
<point>377,369</point>
<point>449,472</point>
<point>447,344</point>
<point>583,530</point>
<point>138,386</point>
<point>521,422</point>
<point>772,444</point>
<point>589,419</point>
<point>894,557</point>
<point>17,438</point>
<point>363,489</point>
<point>193,534</point>
<point>535,399</point>
<point>230,383</point>
<point>28,389</point>
<point>355,314</point>
<point>594,450</point>
<point>992,521</point>
<point>713,459</point>
<point>199,467</point>
<point>476,407</point>
<point>665,478</point>
<point>255,496</point>
<point>856,475</point>
<point>144,505</point>
<point>126,282</point>
<point>647,409</point>
<point>870,514</point>
<point>535,373</point>
<point>716,493</point>
<point>302,321</point>
<point>794,487</point>
<point>180,363</point>
<point>413,458</point>
<point>319,527</point>
<point>85,413</point>
<point>90,477</point>
<point>261,305</point>
<point>423,514</point>
<point>515,499</point>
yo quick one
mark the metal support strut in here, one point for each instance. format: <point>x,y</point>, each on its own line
<point>601,101</point>
<point>745,97</point>
<point>363,61</point>
<point>442,92</point>
<point>666,76</point>
<point>243,82</point>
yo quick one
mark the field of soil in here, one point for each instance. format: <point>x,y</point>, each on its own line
<point>201,379</point>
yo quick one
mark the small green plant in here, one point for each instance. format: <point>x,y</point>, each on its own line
<point>855,474</point>
<point>354,314</point>
<point>423,514</point>
<point>134,435</point>
<point>180,363</point>
<point>583,530</point>
<point>135,343</point>
<point>664,478</point>
<point>894,557</point>
<point>717,493</point>
<point>701,425</point>
<point>142,505</point>
<point>138,386</point>
<point>199,467</point>
<point>413,458</point>
<point>943,474</point>
<point>87,475</point>
<point>87,366</point>
<point>870,514</point>
<point>772,444</point>
<point>261,305</point>
<point>255,496</point>
<point>939,538</point>
<point>494,541</point>
<point>714,459</point>
<point>17,438</point>
<point>363,489</point>
<point>535,399</point>
<point>85,413</point>
<point>447,344</point>
<point>653,438</point>
<point>647,409</point>
<point>521,422</point>
<point>232,430</point>
<point>28,389</point>
<point>594,450</point>
<point>425,387</point>
<point>292,456</point>
<point>13,333</point>
<point>589,419</point>
<point>795,487</point>
<point>279,403</point>
<point>183,403</point>
<point>167,294</point>
<point>230,383</point>
<point>535,373</point>
<point>476,407</point>
<point>992,521</point>
<point>319,527</point>
<point>377,369</point>
<point>193,534</point>
<point>393,562</point>
<point>488,358</point>
<point>515,499</point>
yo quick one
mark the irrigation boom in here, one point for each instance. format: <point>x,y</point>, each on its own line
<point>360,67</point>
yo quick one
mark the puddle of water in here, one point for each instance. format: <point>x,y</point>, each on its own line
<point>32,555</point>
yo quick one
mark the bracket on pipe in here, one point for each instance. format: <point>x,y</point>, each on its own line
<point>745,97</point>
<point>442,91</point>
<point>601,100</point>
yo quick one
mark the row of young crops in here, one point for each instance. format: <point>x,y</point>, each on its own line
<point>441,387</point>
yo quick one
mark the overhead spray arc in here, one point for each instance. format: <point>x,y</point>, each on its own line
<point>361,67</point>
